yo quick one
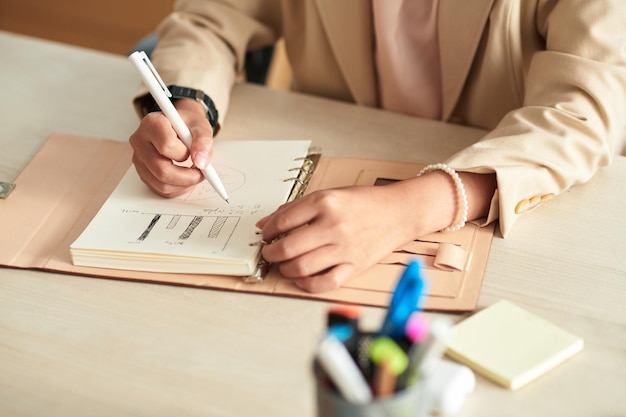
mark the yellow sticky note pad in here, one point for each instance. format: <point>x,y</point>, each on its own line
<point>509,345</point>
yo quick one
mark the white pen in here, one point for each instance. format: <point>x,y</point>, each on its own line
<point>161,95</point>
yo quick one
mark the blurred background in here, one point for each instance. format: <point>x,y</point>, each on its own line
<point>119,27</point>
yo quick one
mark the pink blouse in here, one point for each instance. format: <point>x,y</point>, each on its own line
<point>407,56</point>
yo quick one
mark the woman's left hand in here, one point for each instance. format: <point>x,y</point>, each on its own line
<point>334,234</point>
<point>329,236</point>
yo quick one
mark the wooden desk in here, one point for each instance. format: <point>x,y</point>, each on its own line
<point>81,346</point>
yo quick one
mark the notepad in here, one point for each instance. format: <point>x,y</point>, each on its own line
<point>198,232</point>
<point>509,345</point>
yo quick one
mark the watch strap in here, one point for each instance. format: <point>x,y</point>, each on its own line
<point>179,92</point>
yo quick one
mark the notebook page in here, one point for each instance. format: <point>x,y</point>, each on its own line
<point>197,232</point>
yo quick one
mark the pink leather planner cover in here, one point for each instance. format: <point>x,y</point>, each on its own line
<point>67,181</point>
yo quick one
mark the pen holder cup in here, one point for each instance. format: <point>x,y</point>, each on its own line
<point>410,402</point>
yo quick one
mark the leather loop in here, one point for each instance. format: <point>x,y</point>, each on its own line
<point>451,257</point>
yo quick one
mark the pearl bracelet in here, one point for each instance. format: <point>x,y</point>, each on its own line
<point>460,189</point>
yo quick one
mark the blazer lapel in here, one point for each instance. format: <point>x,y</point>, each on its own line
<point>350,33</point>
<point>349,22</point>
<point>461,24</point>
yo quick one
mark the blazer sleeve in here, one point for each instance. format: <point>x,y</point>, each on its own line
<point>573,119</point>
<point>202,44</point>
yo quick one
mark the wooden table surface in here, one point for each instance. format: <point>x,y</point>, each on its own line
<point>71,345</point>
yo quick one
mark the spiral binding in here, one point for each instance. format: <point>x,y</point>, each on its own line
<point>300,184</point>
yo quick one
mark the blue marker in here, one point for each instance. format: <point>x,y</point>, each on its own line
<point>406,299</point>
<point>341,332</point>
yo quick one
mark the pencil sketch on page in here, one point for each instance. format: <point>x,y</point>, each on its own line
<point>232,178</point>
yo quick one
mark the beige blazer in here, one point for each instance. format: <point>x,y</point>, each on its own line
<point>547,78</point>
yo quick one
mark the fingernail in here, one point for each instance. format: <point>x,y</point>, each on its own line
<point>261,222</point>
<point>201,159</point>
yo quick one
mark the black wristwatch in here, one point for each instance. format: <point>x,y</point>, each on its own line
<point>179,92</point>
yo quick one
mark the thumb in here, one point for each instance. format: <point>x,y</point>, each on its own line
<point>201,150</point>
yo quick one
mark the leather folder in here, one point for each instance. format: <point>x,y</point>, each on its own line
<point>68,180</point>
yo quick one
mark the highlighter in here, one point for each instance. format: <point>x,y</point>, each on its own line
<point>390,361</point>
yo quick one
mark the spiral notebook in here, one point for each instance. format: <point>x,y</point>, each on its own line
<point>77,197</point>
<point>198,232</point>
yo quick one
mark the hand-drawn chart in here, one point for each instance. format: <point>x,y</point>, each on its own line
<point>232,178</point>
<point>178,229</point>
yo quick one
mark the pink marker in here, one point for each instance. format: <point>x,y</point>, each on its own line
<point>416,329</point>
<point>415,335</point>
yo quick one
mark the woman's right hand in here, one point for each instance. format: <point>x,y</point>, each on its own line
<point>162,160</point>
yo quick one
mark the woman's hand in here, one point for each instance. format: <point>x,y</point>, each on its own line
<point>158,152</point>
<point>333,234</point>
<point>329,236</point>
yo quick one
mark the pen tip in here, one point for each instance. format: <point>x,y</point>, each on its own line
<point>227,201</point>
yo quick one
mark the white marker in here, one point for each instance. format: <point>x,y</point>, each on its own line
<point>343,371</point>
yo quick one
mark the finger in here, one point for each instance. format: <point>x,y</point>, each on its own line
<point>155,147</point>
<point>297,243</point>
<point>312,263</point>
<point>179,180</point>
<point>330,279</point>
<point>260,223</point>
<point>202,141</point>
<point>201,151</point>
<point>289,217</point>
<point>157,133</point>
<point>165,170</point>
